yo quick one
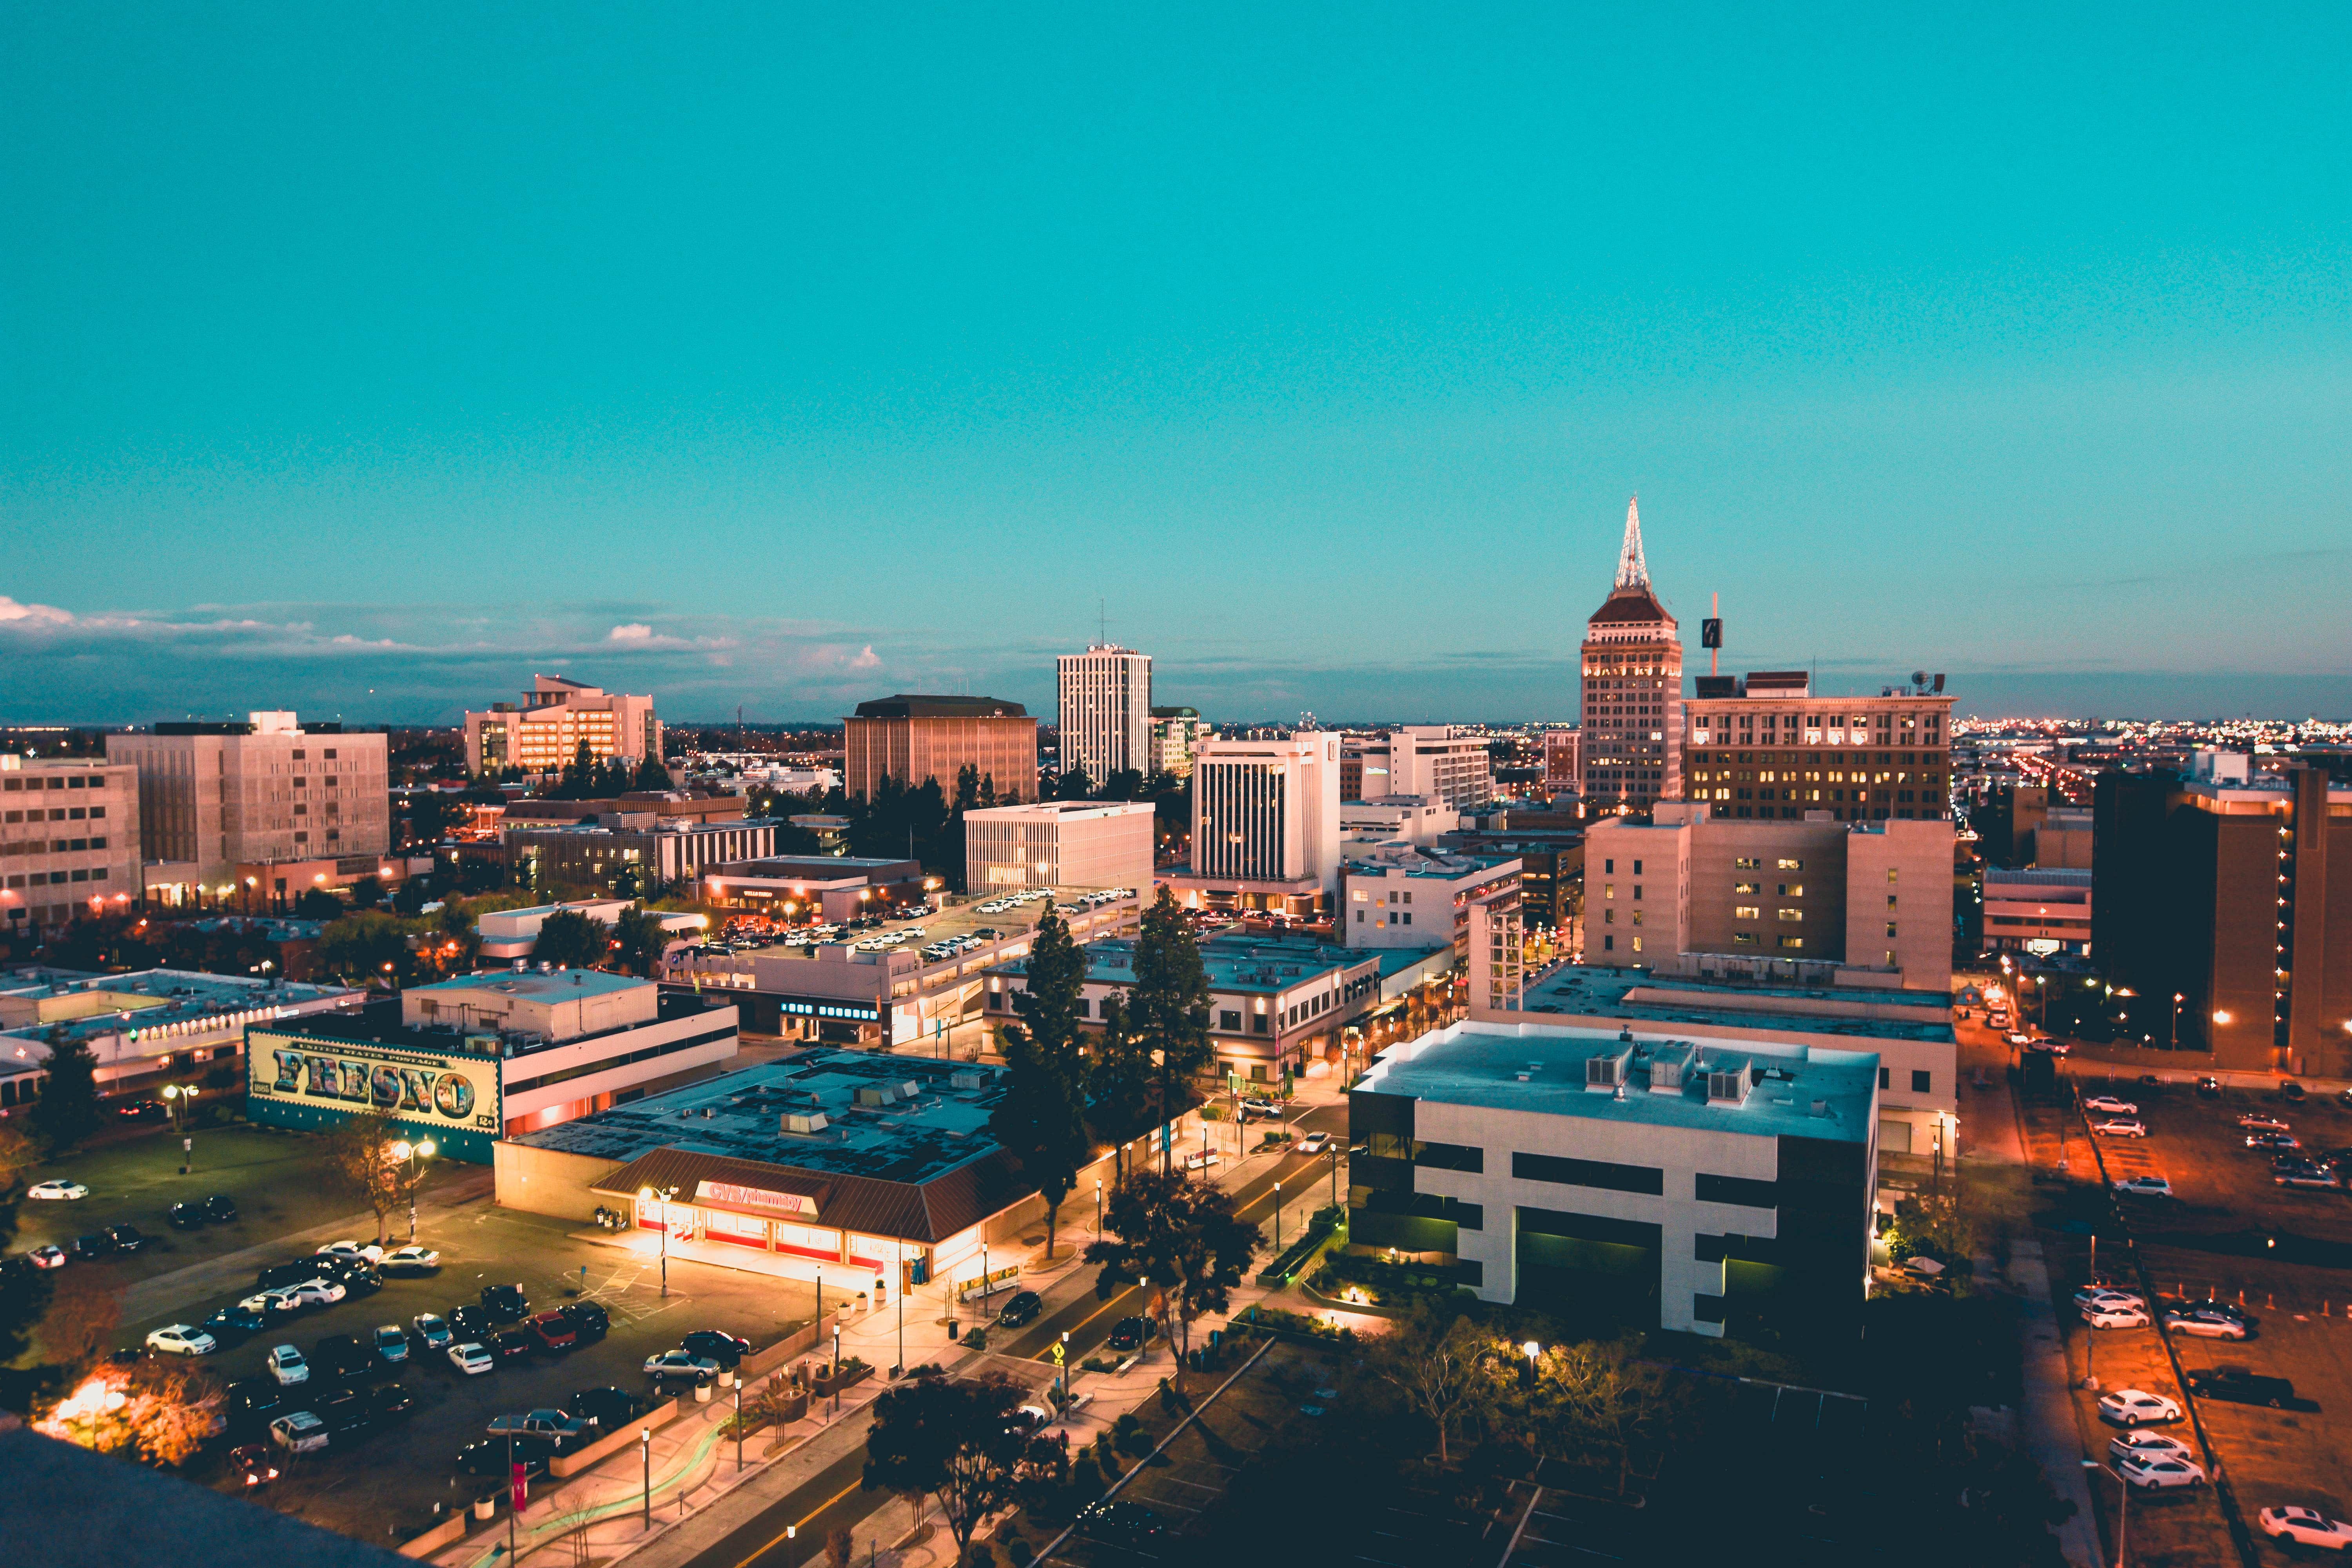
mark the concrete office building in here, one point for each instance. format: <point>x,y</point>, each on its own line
<point>217,796</point>
<point>1265,825</point>
<point>1428,760</point>
<point>1551,866</point>
<point>814,888</point>
<point>1058,844</point>
<point>1103,715</point>
<point>1683,1183</point>
<point>630,853</point>
<point>2234,894</point>
<point>69,840</point>
<point>1775,750</point>
<point>1861,904</point>
<point>1176,735</point>
<point>1396,896</point>
<point>2040,911</point>
<point>1633,672</point>
<point>1563,760</point>
<point>1416,819</point>
<point>915,738</point>
<point>544,732</point>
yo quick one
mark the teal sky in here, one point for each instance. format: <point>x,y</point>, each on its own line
<point>365,359</point>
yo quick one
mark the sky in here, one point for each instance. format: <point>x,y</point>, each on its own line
<point>366,360</point>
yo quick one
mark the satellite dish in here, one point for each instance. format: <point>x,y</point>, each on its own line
<point>1918,677</point>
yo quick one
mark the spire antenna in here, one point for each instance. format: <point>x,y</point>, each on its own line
<point>1632,571</point>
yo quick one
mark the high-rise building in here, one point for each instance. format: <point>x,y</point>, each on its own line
<point>1175,735</point>
<point>216,800</point>
<point>2235,895</point>
<point>1432,761</point>
<point>69,840</point>
<point>1563,762</point>
<point>1104,711</point>
<point>1265,825</point>
<point>555,718</point>
<point>913,739</point>
<point>1769,748</point>
<point>1633,690</point>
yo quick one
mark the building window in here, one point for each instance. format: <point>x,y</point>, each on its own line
<point>1743,938</point>
<point>1608,945</point>
<point>1788,865</point>
<point>1637,889</point>
<point>1747,911</point>
<point>1259,1024</point>
<point>1919,1082</point>
<point>1637,871</point>
<point>1608,917</point>
<point>1748,863</point>
<point>1608,866</point>
<point>1637,917</point>
<point>1788,917</point>
<point>1793,889</point>
<point>1891,873</point>
<point>1230,1021</point>
<point>1793,942</point>
<point>1885,1076</point>
<point>1890,927</point>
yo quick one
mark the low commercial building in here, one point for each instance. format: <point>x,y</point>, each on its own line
<point>813,888</point>
<point>631,852</point>
<point>1398,896</point>
<point>2040,911</point>
<point>1552,866</point>
<point>1772,749</point>
<point>1433,760</point>
<point>1058,844</point>
<point>1276,1003</point>
<point>147,1028</point>
<point>69,840</point>
<point>471,1061</point>
<point>512,933</point>
<point>1420,820</point>
<point>544,732</point>
<point>1676,1183</point>
<point>876,1170</point>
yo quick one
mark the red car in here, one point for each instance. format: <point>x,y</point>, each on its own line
<point>553,1331</point>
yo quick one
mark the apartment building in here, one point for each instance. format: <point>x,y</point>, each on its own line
<point>1265,825</point>
<point>1176,735</point>
<point>2039,910</point>
<point>1632,694</point>
<point>1434,761</point>
<point>215,797</point>
<point>1058,844</point>
<point>69,840</point>
<point>544,732</point>
<point>1102,710</point>
<point>1769,748</point>
<point>1397,896</point>
<point>914,739</point>
<point>1866,902</point>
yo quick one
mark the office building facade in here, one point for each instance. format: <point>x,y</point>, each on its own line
<point>1563,760</point>
<point>1770,749</point>
<point>1396,896</point>
<point>1632,696</point>
<point>1432,761</point>
<point>916,738</point>
<point>544,732</point>
<point>1058,843</point>
<point>1103,711</point>
<point>1265,825</point>
<point>1175,735</point>
<point>69,840</point>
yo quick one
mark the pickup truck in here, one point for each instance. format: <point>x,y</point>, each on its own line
<point>538,1423</point>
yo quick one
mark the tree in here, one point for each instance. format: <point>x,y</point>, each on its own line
<point>570,939</point>
<point>1585,1399</point>
<point>950,1441</point>
<point>163,1411</point>
<point>362,1158</point>
<point>67,1111</point>
<point>1042,1119</point>
<point>24,1292</point>
<point>652,775</point>
<point>1119,1081</point>
<point>318,904</point>
<point>1073,785</point>
<point>360,946</point>
<point>367,893</point>
<point>967,787</point>
<point>1169,1006</point>
<point>640,940</point>
<point>1439,1362</point>
<point>1183,1237</point>
<point>432,814</point>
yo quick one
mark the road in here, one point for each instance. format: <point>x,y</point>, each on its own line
<point>834,1499</point>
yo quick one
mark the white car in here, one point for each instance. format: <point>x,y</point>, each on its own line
<point>57,1191</point>
<point>318,1292</point>
<point>2109,1315</point>
<point>472,1360</point>
<point>354,1251</point>
<point>2306,1527</point>
<point>1315,1142</point>
<point>270,1303</point>
<point>298,1432</point>
<point>287,1365</point>
<point>2147,1445</point>
<point>2108,1105</point>
<point>2143,1186</point>
<point>2090,1296</point>
<point>410,1260</point>
<point>2205,1325</point>
<point>2149,1471</point>
<point>679,1363</point>
<point>2130,1406</point>
<point>2120,1126</point>
<point>182,1339</point>
<point>49,1257</point>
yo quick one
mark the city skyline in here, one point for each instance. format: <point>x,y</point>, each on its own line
<point>356,368</point>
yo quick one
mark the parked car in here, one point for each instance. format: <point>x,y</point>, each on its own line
<point>299,1433</point>
<point>2151,1471</point>
<point>184,1216</point>
<point>2133,1407</point>
<point>606,1409</point>
<point>2143,1186</point>
<point>2306,1527</point>
<point>723,1348</point>
<point>220,1208</point>
<point>505,1303</point>
<point>366,1252</point>
<point>49,1256</point>
<point>56,1191</point>
<point>1119,1523</point>
<point>2096,1291</point>
<point>2242,1385</point>
<point>91,1247</point>
<point>250,1403</point>
<point>2215,1305</point>
<point>2147,1445</point>
<point>342,1407</point>
<point>2306,1173</point>
<point>588,1321</point>
<point>2290,1089</point>
<point>1257,1110</point>
<point>432,1330</point>
<point>341,1356</point>
<point>493,1456</point>
<point>469,1323</point>
<point>2261,1122</point>
<point>275,1304</point>
<point>356,1275</point>
<point>2105,1316</point>
<point>287,1365</point>
<point>182,1339</point>
<point>391,1343</point>
<point>473,1360</point>
<point>1314,1144</point>
<point>237,1322</point>
<point>2120,1126</point>
<point>388,1400</point>
<point>252,1464</point>
<point>2108,1105</point>
<point>513,1344</point>
<point>553,1331</point>
<point>1022,1308</point>
<point>410,1260</point>
<point>143,1110</point>
<point>553,1425</point>
<point>2204,1324</point>
<point>319,1292</point>
<point>2209,1089</point>
<point>2272,1141</point>
<point>1131,1333</point>
<point>124,1237</point>
<point>679,1364</point>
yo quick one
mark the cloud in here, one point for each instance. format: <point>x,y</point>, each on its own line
<point>39,615</point>
<point>866,658</point>
<point>634,632</point>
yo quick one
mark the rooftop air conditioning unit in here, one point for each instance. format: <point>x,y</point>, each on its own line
<point>802,1123</point>
<point>964,1080</point>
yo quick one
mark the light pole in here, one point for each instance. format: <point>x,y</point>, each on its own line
<point>1064,1359</point>
<point>1278,1219</point>
<point>836,1378</point>
<point>738,1425</point>
<point>406,1154</point>
<point>899,1370</point>
<point>2174,1044</point>
<point>645,1449</point>
<point>1098,1207</point>
<point>1527,1374</point>
<point>1335,1173</point>
<point>648,1195</point>
<point>179,1100</point>
<point>2123,1511</point>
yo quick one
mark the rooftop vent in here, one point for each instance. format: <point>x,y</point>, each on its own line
<point>1671,1066</point>
<point>1821,1108</point>
<point>964,1080</point>
<point>1606,1071</point>
<point>802,1123</point>
<point>1729,1081</point>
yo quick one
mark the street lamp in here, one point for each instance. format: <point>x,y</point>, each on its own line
<point>182,1102</point>
<point>648,1195</point>
<point>1278,1219</point>
<point>1527,1374</point>
<point>1098,1192</point>
<point>2122,1513</point>
<point>2175,1043</point>
<point>407,1154</point>
<point>646,1449</point>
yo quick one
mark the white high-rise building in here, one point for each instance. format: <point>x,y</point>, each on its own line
<point>1105,714</point>
<point>1265,825</point>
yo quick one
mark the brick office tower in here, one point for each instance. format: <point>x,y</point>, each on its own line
<point>1633,690</point>
<point>915,738</point>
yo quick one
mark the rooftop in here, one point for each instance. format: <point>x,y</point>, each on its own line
<point>531,985</point>
<point>908,706</point>
<point>2038,876</point>
<point>1439,865</point>
<point>1542,1067</point>
<point>33,1000</point>
<point>1237,961</point>
<point>1007,917</point>
<point>1603,993</point>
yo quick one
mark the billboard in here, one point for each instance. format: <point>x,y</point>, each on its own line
<point>451,1090</point>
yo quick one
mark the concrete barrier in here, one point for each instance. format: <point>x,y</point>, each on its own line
<point>757,1367</point>
<point>450,1529</point>
<point>565,1466</point>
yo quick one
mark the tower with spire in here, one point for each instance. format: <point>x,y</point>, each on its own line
<point>1632,691</point>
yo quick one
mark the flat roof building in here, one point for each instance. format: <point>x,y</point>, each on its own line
<point>1397,896</point>
<point>1772,749</point>
<point>634,853</point>
<point>916,738</point>
<point>1058,844</point>
<point>816,888</point>
<point>1435,760</point>
<point>1103,715</point>
<point>143,1026</point>
<point>69,840</point>
<point>1265,825</point>
<point>2040,911</point>
<point>544,732</point>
